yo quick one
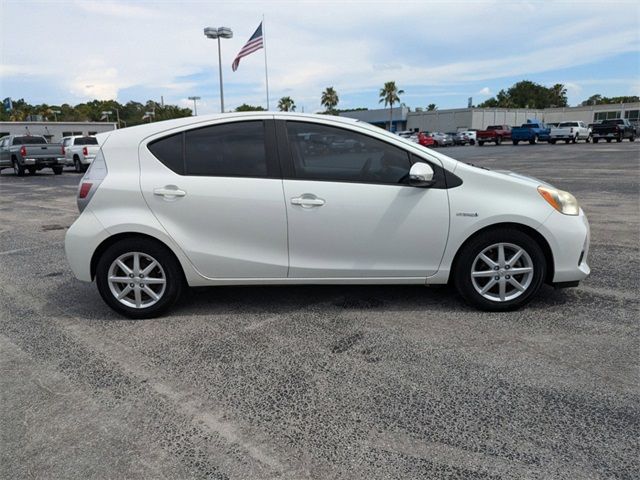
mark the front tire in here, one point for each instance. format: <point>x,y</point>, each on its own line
<point>139,278</point>
<point>484,270</point>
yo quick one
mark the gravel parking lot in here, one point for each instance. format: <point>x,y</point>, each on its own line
<point>321,381</point>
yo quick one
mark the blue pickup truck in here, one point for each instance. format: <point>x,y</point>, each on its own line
<point>532,132</point>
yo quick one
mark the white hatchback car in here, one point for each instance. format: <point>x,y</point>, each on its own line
<point>287,198</point>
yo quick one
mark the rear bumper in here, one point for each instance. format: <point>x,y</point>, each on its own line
<point>81,241</point>
<point>606,134</point>
<point>42,162</point>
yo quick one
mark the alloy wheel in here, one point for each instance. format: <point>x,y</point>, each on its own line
<point>502,272</point>
<point>137,280</point>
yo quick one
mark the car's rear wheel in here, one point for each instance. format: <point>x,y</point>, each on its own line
<point>57,170</point>
<point>139,278</point>
<point>500,270</point>
<point>552,141</point>
<point>32,170</point>
<point>608,140</point>
<point>632,138</point>
<point>77,165</point>
<point>480,143</point>
<point>575,139</point>
<point>472,142</point>
<point>595,140</point>
<point>17,168</point>
<point>619,139</point>
<point>534,140</point>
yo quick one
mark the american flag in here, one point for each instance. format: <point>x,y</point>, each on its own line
<point>254,44</point>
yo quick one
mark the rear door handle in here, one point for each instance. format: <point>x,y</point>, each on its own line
<point>169,192</point>
<point>307,200</point>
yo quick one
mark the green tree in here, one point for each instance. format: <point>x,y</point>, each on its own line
<point>431,107</point>
<point>329,100</point>
<point>600,100</point>
<point>245,107</point>
<point>286,104</point>
<point>527,94</point>
<point>390,94</point>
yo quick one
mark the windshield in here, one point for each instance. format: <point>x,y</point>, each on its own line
<point>618,121</point>
<point>568,124</point>
<point>29,140</point>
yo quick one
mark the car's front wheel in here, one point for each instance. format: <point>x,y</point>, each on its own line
<point>499,270</point>
<point>139,278</point>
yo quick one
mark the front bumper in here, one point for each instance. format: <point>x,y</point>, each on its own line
<point>569,238</point>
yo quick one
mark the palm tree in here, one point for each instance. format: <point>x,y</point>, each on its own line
<point>390,94</point>
<point>431,107</point>
<point>286,104</point>
<point>329,99</point>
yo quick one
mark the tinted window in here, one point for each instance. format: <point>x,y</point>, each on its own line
<point>327,153</point>
<point>169,151</point>
<point>230,150</point>
<point>86,141</point>
<point>28,140</point>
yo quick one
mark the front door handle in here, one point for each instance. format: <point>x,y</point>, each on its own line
<point>307,200</point>
<point>169,192</point>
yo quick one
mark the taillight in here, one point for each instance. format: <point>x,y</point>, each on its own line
<point>63,151</point>
<point>23,151</point>
<point>85,151</point>
<point>84,189</point>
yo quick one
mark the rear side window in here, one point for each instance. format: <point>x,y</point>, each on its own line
<point>229,150</point>
<point>29,140</point>
<point>169,150</point>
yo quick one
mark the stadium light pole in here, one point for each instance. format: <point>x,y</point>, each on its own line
<point>195,106</point>
<point>218,33</point>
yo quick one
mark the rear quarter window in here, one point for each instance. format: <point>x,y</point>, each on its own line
<point>170,151</point>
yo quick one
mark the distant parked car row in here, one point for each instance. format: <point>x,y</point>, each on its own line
<point>31,153</point>
<point>440,139</point>
<point>535,131</point>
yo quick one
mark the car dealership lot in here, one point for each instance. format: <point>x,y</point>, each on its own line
<point>330,381</point>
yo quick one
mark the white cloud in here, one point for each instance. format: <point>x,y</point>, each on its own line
<point>485,91</point>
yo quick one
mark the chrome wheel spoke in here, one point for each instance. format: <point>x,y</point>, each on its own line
<point>137,292</point>
<point>149,268</point>
<point>515,257</point>
<point>154,281</point>
<point>516,284</point>
<point>518,271</point>
<point>150,293</point>
<point>501,261</point>
<point>503,289</point>
<point>488,286</point>
<point>484,273</point>
<point>487,260</point>
<point>119,279</point>
<point>136,264</point>
<point>124,267</point>
<point>125,291</point>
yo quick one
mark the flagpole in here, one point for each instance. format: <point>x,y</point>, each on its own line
<point>266,75</point>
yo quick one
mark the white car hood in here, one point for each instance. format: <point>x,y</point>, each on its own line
<point>532,180</point>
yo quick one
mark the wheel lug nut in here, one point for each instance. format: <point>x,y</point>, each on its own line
<point>508,277</point>
<point>507,267</point>
<point>496,268</point>
<point>141,276</point>
<point>497,278</point>
<point>131,285</point>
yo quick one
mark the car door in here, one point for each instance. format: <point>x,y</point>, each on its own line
<point>4,153</point>
<point>351,212</point>
<point>217,191</point>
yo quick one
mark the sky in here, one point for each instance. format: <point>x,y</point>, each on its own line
<point>438,52</point>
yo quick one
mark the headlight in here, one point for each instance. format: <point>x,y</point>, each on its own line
<point>562,201</point>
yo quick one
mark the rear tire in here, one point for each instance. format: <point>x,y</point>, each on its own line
<point>632,138</point>
<point>534,140</point>
<point>472,142</point>
<point>552,142</point>
<point>18,169</point>
<point>77,165</point>
<point>148,250</point>
<point>480,143</point>
<point>57,170</point>
<point>619,139</point>
<point>608,140</point>
<point>515,142</point>
<point>575,139</point>
<point>595,140</point>
<point>32,170</point>
<point>510,291</point>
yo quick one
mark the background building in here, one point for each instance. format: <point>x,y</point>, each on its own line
<point>457,119</point>
<point>54,131</point>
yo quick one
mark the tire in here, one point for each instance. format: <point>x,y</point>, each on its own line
<point>77,165</point>
<point>552,142</point>
<point>534,140</point>
<point>488,242</point>
<point>480,143</point>
<point>18,169</point>
<point>32,170</point>
<point>595,140</point>
<point>567,141</point>
<point>472,142</point>
<point>57,170</point>
<point>498,140</point>
<point>632,138</point>
<point>589,138</point>
<point>515,142</point>
<point>608,140</point>
<point>619,139</point>
<point>168,269</point>
<point>575,139</point>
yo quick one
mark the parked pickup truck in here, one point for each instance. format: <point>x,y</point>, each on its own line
<point>570,132</point>
<point>29,153</point>
<point>493,133</point>
<point>79,151</point>
<point>619,128</point>
<point>531,132</point>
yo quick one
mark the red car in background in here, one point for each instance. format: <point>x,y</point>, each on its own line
<point>425,140</point>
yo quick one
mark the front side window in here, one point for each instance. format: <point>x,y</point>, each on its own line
<point>320,152</point>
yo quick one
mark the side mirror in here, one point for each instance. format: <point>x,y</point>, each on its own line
<point>421,175</point>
